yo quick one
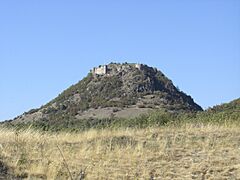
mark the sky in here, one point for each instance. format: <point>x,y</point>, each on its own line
<point>48,45</point>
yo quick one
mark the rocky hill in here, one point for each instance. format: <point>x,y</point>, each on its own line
<point>114,90</point>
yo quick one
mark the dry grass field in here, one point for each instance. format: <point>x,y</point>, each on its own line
<point>186,152</point>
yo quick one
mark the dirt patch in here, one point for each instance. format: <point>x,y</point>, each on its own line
<point>3,170</point>
<point>5,173</point>
<point>130,112</point>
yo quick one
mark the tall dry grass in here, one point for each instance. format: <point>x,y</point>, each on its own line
<point>186,152</point>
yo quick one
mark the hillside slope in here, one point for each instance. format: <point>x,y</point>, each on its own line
<point>224,113</point>
<point>115,90</point>
<point>233,106</point>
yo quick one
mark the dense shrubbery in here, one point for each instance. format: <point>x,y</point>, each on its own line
<point>66,123</point>
<point>99,94</point>
<point>225,114</point>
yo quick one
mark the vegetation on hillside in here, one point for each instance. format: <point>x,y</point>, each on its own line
<point>160,145</point>
<point>228,113</point>
<point>123,87</point>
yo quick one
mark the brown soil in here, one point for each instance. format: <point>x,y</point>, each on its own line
<point>5,173</point>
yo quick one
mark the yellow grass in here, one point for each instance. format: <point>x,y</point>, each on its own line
<point>187,152</point>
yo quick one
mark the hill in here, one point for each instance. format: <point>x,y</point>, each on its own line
<point>114,91</point>
<point>224,113</point>
<point>190,145</point>
<point>233,106</point>
<point>199,145</point>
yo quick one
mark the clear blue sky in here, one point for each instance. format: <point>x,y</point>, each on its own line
<point>48,45</point>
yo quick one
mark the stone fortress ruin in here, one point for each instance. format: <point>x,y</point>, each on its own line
<point>101,70</point>
<point>106,69</point>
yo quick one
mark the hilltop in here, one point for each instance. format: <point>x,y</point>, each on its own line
<point>114,91</point>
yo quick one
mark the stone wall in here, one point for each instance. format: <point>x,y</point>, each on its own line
<point>115,68</point>
<point>101,70</point>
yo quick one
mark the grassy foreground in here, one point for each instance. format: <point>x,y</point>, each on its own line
<point>191,151</point>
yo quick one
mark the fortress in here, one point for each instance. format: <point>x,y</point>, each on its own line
<point>105,69</point>
<point>101,70</point>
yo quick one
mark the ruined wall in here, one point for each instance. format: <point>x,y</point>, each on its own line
<point>115,68</point>
<point>101,70</point>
